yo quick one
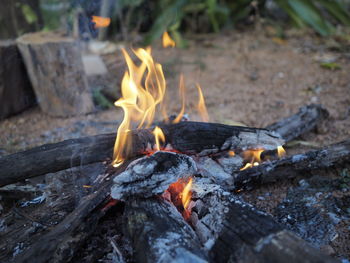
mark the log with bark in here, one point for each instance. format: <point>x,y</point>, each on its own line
<point>70,153</point>
<point>55,68</point>
<point>16,92</point>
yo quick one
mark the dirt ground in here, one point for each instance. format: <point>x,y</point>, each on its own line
<point>250,78</point>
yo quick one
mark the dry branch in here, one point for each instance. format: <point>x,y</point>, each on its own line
<point>306,119</point>
<point>290,167</point>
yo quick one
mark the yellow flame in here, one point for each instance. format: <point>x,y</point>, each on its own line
<point>101,21</point>
<point>281,152</point>
<point>202,109</point>
<point>254,156</point>
<point>183,99</point>
<point>167,41</point>
<point>139,100</point>
<point>186,194</point>
<point>159,137</point>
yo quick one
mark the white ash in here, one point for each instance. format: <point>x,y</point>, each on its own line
<point>262,139</point>
<point>152,175</point>
<point>231,164</point>
<point>208,168</point>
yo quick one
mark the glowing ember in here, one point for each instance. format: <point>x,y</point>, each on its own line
<point>159,137</point>
<point>202,109</point>
<point>180,196</point>
<point>167,41</point>
<point>231,153</point>
<point>101,22</point>
<point>281,152</point>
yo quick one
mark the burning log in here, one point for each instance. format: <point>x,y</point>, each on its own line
<point>159,233</point>
<point>56,71</point>
<point>186,137</point>
<point>16,92</point>
<point>307,119</point>
<point>70,153</point>
<point>290,167</point>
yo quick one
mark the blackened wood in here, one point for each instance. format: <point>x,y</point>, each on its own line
<point>55,68</point>
<point>186,137</point>
<point>61,243</point>
<point>16,92</point>
<point>290,167</point>
<point>235,231</point>
<point>55,157</point>
<point>249,235</point>
<point>305,120</point>
<point>159,233</point>
<point>70,153</point>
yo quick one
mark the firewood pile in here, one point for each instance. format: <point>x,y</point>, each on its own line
<point>177,203</point>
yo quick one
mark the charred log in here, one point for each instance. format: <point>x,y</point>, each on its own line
<point>186,137</point>
<point>290,167</point>
<point>159,233</point>
<point>152,175</point>
<point>61,243</point>
<point>234,231</point>
<point>307,119</point>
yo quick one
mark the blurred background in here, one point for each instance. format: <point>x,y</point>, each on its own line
<point>256,62</point>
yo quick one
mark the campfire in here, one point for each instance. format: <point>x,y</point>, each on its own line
<point>175,182</point>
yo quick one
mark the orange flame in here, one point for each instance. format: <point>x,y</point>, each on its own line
<point>254,156</point>
<point>281,152</point>
<point>139,100</point>
<point>167,40</point>
<point>183,98</point>
<point>159,137</point>
<point>202,109</point>
<point>101,21</point>
<point>186,194</point>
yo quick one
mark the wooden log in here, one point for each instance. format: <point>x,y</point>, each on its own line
<point>186,137</point>
<point>63,240</point>
<point>16,92</point>
<point>290,167</point>
<point>235,231</point>
<point>55,157</point>
<point>306,119</point>
<point>159,233</point>
<point>56,71</point>
<point>70,153</point>
<point>152,175</point>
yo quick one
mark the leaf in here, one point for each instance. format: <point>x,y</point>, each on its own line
<point>171,15</point>
<point>309,13</point>
<point>337,10</point>
<point>330,65</point>
<point>29,14</point>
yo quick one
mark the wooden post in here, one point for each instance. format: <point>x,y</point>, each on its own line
<point>56,71</point>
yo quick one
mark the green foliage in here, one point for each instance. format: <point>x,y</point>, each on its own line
<point>29,14</point>
<point>100,100</point>
<point>330,65</point>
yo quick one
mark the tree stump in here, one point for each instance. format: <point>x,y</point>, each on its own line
<point>56,71</point>
<point>16,93</point>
